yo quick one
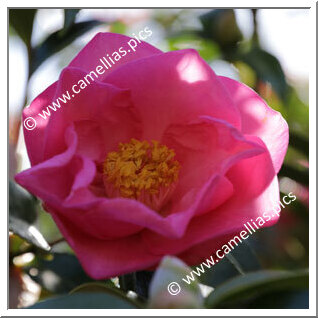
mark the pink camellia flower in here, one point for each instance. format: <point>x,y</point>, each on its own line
<point>158,156</point>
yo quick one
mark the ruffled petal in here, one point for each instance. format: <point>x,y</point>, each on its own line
<point>255,191</point>
<point>260,120</point>
<point>200,182</point>
<point>173,88</point>
<point>103,259</point>
<point>102,114</point>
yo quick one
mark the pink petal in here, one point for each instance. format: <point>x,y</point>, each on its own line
<point>52,180</point>
<point>103,259</point>
<point>34,139</point>
<point>188,199</point>
<point>260,120</point>
<point>255,192</point>
<point>173,88</point>
<point>104,122</point>
<point>109,43</point>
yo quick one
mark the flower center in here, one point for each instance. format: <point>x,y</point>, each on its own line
<point>141,170</point>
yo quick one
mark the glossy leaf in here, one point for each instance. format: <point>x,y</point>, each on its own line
<point>241,260</point>
<point>86,301</point>
<point>95,287</point>
<point>21,204</point>
<point>242,290</point>
<point>28,232</point>
<point>22,215</point>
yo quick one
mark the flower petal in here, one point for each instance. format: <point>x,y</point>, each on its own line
<point>109,43</point>
<point>260,120</point>
<point>255,192</point>
<point>105,121</point>
<point>34,139</point>
<point>105,258</point>
<point>163,93</point>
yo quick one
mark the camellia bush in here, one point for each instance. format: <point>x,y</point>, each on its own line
<point>145,165</point>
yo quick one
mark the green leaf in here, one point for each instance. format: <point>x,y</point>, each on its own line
<point>58,41</point>
<point>268,69</point>
<point>21,204</point>
<point>86,301</point>
<point>60,274</point>
<point>107,287</point>
<point>22,215</point>
<point>47,226</point>
<point>220,26</point>
<point>241,260</point>
<point>28,232</point>
<point>243,290</point>
<point>297,114</point>
<point>22,21</point>
<point>95,287</point>
<point>69,19</point>
<point>286,300</point>
<point>301,176</point>
<point>300,143</point>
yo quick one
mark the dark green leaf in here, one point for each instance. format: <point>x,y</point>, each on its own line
<point>242,290</point>
<point>300,143</point>
<point>21,204</point>
<point>58,41</point>
<point>22,21</point>
<point>297,114</point>
<point>241,260</point>
<point>86,301</point>
<point>22,215</point>
<point>69,19</point>
<point>301,176</point>
<point>268,69</point>
<point>282,300</point>
<point>220,26</point>
<point>95,287</point>
<point>60,274</point>
<point>28,232</point>
<point>107,287</point>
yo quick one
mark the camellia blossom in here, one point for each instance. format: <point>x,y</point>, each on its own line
<point>159,156</point>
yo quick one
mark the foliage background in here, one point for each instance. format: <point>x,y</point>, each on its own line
<point>236,44</point>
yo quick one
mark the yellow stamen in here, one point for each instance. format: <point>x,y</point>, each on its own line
<point>141,170</point>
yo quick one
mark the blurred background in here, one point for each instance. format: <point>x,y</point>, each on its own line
<point>266,49</point>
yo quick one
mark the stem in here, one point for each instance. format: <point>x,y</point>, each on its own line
<point>62,239</point>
